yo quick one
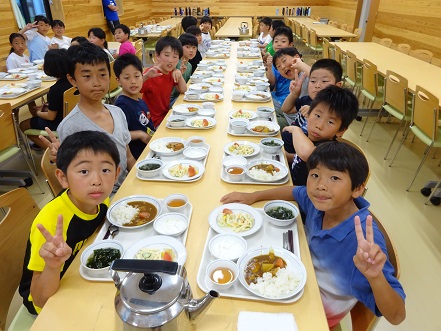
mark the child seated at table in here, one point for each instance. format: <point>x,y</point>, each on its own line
<point>122,35</point>
<point>16,55</point>
<point>58,39</point>
<point>50,114</point>
<point>189,46</point>
<point>97,36</point>
<point>348,250</point>
<point>264,37</point>
<point>78,40</point>
<point>268,50</point>
<point>194,30</point>
<point>87,168</point>
<point>205,27</point>
<point>36,36</point>
<point>128,72</point>
<point>160,79</point>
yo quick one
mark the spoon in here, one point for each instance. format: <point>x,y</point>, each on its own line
<point>114,231</point>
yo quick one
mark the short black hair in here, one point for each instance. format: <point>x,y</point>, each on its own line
<point>331,65</point>
<point>41,18</point>
<point>99,33</point>
<point>55,23</point>
<point>86,53</point>
<point>206,19</point>
<point>266,20</point>
<point>277,24</point>
<point>12,36</point>
<point>124,28</point>
<point>340,101</point>
<point>284,31</point>
<point>340,156</point>
<point>125,60</point>
<point>188,21</point>
<point>166,41</point>
<point>194,30</point>
<point>55,63</point>
<point>79,40</point>
<point>188,39</point>
<point>95,141</point>
<point>290,51</point>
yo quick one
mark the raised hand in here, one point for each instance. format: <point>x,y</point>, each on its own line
<point>304,110</point>
<point>55,250</point>
<point>183,66</point>
<point>296,84</point>
<point>53,144</point>
<point>369,258</point>
<point>176,74</point>
<point>239,197</point>
<point>152,73</point>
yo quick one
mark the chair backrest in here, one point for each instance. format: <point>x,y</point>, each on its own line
<point>305,34</point>
<point>340,57</point>
<point>425,112</point>
<point>138,44</point>
<point>404,48</point>
<point>435,61</point>
<point>8,132</point>
<point>313,38</point>
<point>351,66</point>
<point>350,28</point>
<point>362,317</point>
<point>369,81</point>
<point>49,172</point>
<point>385,42</point>
<point>344,26</point>
<point>327,49</point>
<point>113,85</point>
<point>70,100</point>
<point>139,54</point>
<point>396,91</point>
<point>357,31</point>
<point>20,210</point>
<point>422,54</point>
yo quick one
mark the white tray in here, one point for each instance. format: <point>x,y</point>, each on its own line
<point>13,96</point>
<point>185,127</point>
<point>243,99</point>
<point>128,237</point>
<point>248,133</point>
<point>218,56</point>
<point>260,156</point>
<point>167,159</point>
<point>202,100</point>
<point>268,235</point>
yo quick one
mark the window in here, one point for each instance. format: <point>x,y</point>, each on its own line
<point>26,10</point>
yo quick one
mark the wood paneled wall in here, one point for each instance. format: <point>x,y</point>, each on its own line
<point>413,22</point>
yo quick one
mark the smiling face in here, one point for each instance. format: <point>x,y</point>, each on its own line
<point>91,80</point>
<point>323,124</point>
<point>130,81</point>
<point>120,36</point>
<point>58,31</point>
<point>283,65</point>
<point>90,178</point>
<point>43,28</point>
<point>167,59</point>
<point>18,45</point>
<point>320,79</point>
<point>280,42</point>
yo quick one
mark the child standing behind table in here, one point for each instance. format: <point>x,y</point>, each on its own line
<point>128,72</point>
<point>62,41</point>
<point>205,27</point>
<point>16,56</point>
<point>122,35</point>
<point>264,37</point>
<point>160,79</point>
<point>36,35</point>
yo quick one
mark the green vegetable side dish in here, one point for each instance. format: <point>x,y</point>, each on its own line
<point>102,258</point>
<point>271,143</point>
<point>280,213</point>
<point>178,120</point>
<point>149,166</point>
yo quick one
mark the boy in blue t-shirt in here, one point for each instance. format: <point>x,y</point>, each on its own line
<point>36,36</point>
<point>348,250</point>
<point>128,72</point>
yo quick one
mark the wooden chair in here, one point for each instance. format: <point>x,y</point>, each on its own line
<point>139,54</point>
<point>358,32</point>
<point>138,44</point>
<point>49,172</point>
<point>435,61</point>
<point>340,57</point>
<point>424,124</point>
<point>344,26</point>
<point>421,54</point>
<point>385,42</point>
<point>114,88</point>
<point>350,28</point>
<point>328,49</point>
<point>353,77</point>
<point>403,48</point>
<point>396,96</point>
<point>15,226</point>
<point>70,100</point>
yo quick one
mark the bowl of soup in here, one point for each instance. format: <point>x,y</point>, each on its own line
<point>280,212</point>
<point>98,256</point>
<point>235,172</point>
<point>196,141</point>
<point>222,274</point>
<point>176,202</point>
<point>149,167</point>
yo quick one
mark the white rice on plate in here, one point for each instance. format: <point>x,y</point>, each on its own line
<point>278,286</point>
<point>124,214</point>
<point>261,174</point>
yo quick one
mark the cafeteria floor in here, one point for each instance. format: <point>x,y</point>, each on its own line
<point>414,227</point>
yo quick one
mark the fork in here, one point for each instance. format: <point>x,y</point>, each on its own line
<point>285,241</point>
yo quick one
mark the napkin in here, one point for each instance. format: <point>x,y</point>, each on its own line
<point>257,321</point>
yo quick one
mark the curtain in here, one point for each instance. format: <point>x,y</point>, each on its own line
<point>18,15</point>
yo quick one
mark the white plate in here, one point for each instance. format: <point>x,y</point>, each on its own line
<point>258,95</point>
<point>131,198</point>
<point>200,167</point>
<point>248,114</point>
<point>159,242</point>
<point>158,146</point>
<point>192,122</point>
<point>274,127</point>
<point>201,87</point>
<point>258,80</point>
<point>278,176</point>
<point>212,80</point>
<point>236,208</point>
<point>215,97</point>
<point>11,91</point>
<point>248,143</point>
<point>45,78</point>
<point>205,73</point>
<point>184,109</point>
<point>293,263</point>
<point>245,88</point>
<point>217,67</point>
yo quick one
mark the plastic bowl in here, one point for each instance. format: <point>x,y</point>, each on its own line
<point>197,79</point>
<point>235,172</point>
<point>195,153</point>
<point>239,125</point>
<point>259,73</point>
<point>176,202</point>
<point>271,149</point>
<point>34,83</point>
<point>280,203</point>
<point>227,265</point>
<point>262,86</point>
<point>234,159</point>
<point>241,79</point>
<point>191,95</point>
<point>238,95</point>
<point>88,252</point>
<point>196,141</point>
<point>176,120</point>
<point>216,89</point>
<point>227,246</point>
<point>149,173</point>
<point>171,224</point>
<point>207,112</point>
<point>208,104</point>
<point>264,111</point>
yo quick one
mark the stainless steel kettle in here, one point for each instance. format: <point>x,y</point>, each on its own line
<point>156,296</point>
<point>243,29</point>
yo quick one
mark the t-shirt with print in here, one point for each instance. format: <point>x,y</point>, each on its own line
<point>38,45</point>
<point>77,228</point>
<point>264,40</point>
<point>205,44</point>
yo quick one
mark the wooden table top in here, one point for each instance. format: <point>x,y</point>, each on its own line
<point>323,30</point>
<point>416,71</point>
<point>231,28</point>
<point>94,301</point>
<point>171,21</point>
<point>28,97</point>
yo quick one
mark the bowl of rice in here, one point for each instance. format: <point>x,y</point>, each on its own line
<point>171,224</point>
<point>227,246</point>
<point>280,212</point>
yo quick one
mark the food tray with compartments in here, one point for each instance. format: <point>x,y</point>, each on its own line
<point>268,235</point>
<point>16,95</point>
<point>128,237</point>
<point>248,133</point>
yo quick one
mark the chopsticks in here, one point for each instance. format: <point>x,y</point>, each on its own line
<point>288,241</point>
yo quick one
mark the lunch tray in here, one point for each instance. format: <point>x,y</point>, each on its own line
<point>268,235</point>
<point>13,96</point>
<point>217,56</point>
<point>166,159</point>
<point>185,127</point>
<point>248,133</point>
<point>203,100</point>
<point>13,79</point>
<point>260,156</point>
<point>128,237</point>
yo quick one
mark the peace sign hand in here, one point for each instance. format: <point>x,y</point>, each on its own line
<point>55,250</point>
<point>369,258</point>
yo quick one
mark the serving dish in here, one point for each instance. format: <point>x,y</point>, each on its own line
<point>159,146</point>
<point>242,147</point>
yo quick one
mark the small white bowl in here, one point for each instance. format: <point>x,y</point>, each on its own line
<point>222,264</point>
<point>197,79</point>
<point>241,79</point>
<point>176,120</point>
<point>208,105</point>
<point>239,125</point>
<point>262,86</point>
<point>34,83</point>
<point>241,67</point>
<point>238,95</point>
<point>3,74</point>
<point>265,111</point>
<point>259,73</point>
<point>227,246</point>
<point>216,89</point>
<point>207,112</point>
<point>177,198</point>
<point>195,153</point>
<point>196,141</point>
<point>280,203</point>
<point>192,95</point>
<point>273,149</point>
<point>217,84</point>
<point>203,66</point>
<point>234,159</point>
<point>149,173</point>
<point>88,252</point>
<point>171,224</point>
<point>231,172</point>
<point>242,43</point>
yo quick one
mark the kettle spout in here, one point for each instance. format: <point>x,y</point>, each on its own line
<point>196,308</point>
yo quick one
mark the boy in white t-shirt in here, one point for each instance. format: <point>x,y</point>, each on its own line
<point>38,41</point>
<point>264,38</point>
<point>58,39</point>
<point>206,38</point>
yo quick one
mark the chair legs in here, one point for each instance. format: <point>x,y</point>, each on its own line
<point>375,122</point>
<point>406,131</point>
<point>421,164</point>
<point>371,105</point>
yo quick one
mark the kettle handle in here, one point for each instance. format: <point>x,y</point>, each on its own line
<point>245,23</point>
<point>144,266</point>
